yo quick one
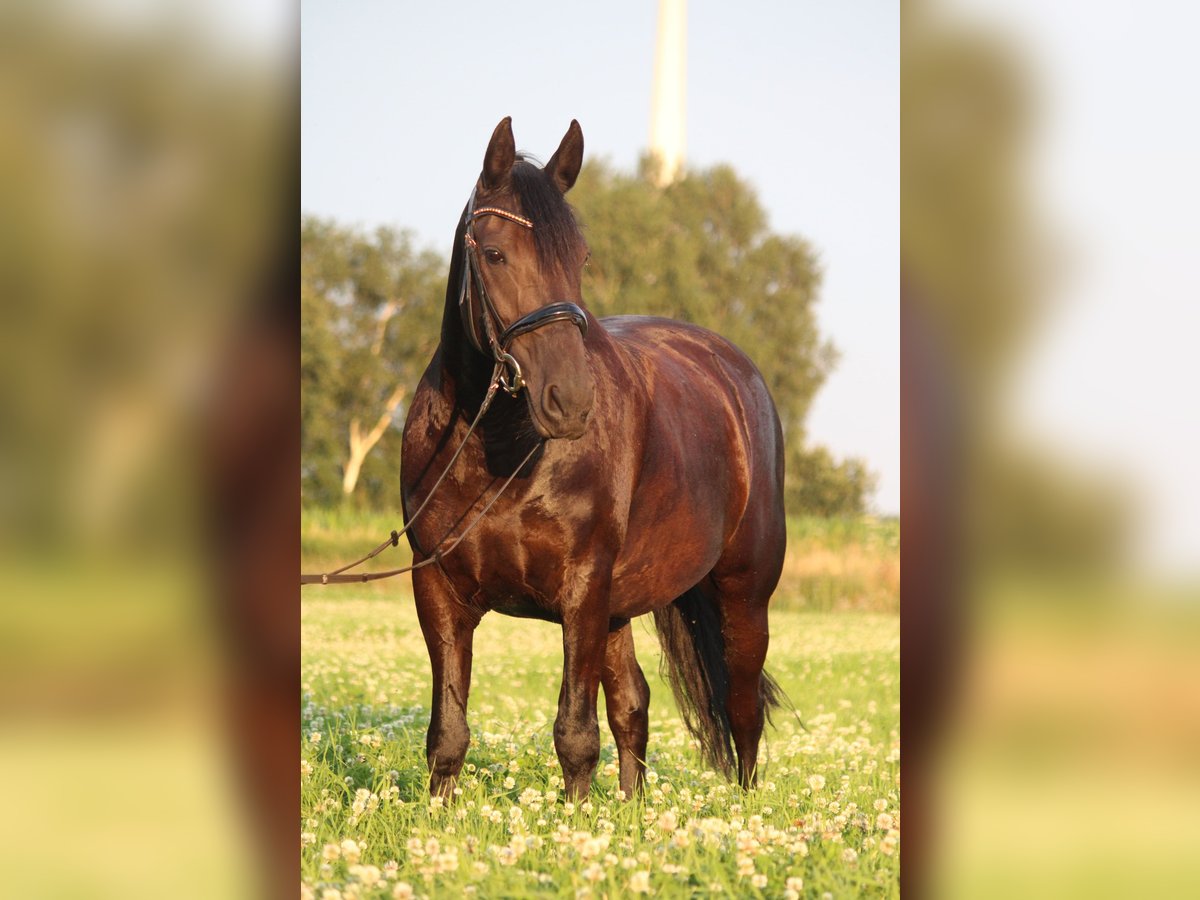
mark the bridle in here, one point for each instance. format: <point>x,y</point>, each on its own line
<point>506,374</point>
<point>498,337</point>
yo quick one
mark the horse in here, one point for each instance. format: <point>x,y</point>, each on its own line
<point>621,466</point>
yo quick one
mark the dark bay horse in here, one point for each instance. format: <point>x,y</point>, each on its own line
<point>648,462</point>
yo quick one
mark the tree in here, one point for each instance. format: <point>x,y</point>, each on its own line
<point>371,307</point>
<point>821,486</point>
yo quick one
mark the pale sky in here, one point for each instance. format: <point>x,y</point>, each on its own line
<point>400,98</point>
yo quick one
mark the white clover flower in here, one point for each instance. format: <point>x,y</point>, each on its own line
<point>506,856</point>
<point>594,873</point>
<point>368,876</point>
<point>402,891</point>
<point>816,782</point>
<point>350,851</point>
<point>639,882</point>
<point>759,881</point>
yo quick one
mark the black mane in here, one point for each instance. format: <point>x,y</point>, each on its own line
<point>556,234</point>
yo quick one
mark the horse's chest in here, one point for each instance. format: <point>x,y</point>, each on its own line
<point>513,560</point>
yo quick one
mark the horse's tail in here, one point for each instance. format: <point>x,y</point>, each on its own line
<point>693,663</point>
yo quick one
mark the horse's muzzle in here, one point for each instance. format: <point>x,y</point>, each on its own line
<point>564,409</point>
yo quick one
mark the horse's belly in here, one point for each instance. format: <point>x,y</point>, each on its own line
<point>525,608</point>
<point>655,576</point>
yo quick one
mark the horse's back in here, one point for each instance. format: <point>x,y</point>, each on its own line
<point>695,363</point>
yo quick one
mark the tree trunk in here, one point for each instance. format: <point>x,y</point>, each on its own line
<point>361,444</point>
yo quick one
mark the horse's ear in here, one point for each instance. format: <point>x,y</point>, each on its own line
<point>501,153</point>
<point>564,165</point>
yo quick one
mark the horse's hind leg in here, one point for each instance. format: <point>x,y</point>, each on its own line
<point>627,701</point>
<point>744,627</point>
<point>449,630</point>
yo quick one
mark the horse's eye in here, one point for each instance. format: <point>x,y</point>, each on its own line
<point>493,255</point>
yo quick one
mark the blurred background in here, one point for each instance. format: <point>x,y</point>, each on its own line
<point>148,166</point>
<point>1052,543</point>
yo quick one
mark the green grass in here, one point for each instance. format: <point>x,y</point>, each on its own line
<point>814,815</point>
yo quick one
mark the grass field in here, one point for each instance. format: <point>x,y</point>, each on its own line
<point>824,820</point>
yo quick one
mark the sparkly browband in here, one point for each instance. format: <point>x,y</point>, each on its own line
<point>503,213</point>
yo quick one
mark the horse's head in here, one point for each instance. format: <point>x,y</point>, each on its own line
<point>521,299</point>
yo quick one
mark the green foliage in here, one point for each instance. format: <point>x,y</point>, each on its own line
<point>371,308</point>
<point>819,485</point>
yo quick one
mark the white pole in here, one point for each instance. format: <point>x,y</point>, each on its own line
<point>670,90</point>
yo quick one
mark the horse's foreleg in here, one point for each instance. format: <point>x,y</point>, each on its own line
<point>576,730</point>
<point>449,631</point>
<point>627,701</point>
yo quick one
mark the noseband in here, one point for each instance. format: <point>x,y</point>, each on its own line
<point>498,337</point>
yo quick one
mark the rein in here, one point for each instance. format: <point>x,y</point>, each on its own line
<point>506,374</point>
